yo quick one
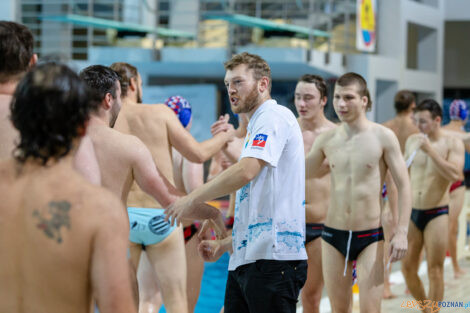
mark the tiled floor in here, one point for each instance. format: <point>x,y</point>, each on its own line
<point>457,290</point>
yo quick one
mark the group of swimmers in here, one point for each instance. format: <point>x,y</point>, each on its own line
<point>307,195</point>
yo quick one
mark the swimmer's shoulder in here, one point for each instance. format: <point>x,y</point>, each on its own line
<point>153,110</point>
<point>158,108</point>
<point>326,136</point>
<point>7,170</point>
<point>453,141</point>
<point>329,125</point>
<point>412,138</point>
<point>100,203</point>
<point>383,131</point>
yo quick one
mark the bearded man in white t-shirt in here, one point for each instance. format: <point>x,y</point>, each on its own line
<point>268,263</point>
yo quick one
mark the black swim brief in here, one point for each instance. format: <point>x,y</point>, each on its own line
<point>422,217</point>
<point>313,231</point>
<point>351,243</point>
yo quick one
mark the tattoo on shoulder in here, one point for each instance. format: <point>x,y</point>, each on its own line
<point>59,217</point>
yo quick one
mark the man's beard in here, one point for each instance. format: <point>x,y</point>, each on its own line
<point>249,102</point>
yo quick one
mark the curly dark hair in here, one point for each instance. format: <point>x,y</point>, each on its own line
<point>49,108</point>
<point>16,50</point>
<point>101,79</point>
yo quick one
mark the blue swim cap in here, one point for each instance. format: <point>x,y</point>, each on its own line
<point>458,110</point>
<point>181,107</point>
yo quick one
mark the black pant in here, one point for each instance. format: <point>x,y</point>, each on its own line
<point>269,286</point>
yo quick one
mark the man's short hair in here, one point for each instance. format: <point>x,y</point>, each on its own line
<point>430,105</point>
<point>259,66</point>
<point>101,79</point>
<point>16,50</point>
<point>318,81</point>
<point>50,105</point>
<point>403,100</point>
<point>356,79</point>
<point>126,72</point>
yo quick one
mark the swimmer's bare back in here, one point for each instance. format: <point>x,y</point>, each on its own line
<point>149,124</point>
<point>62,240</point>
<point>403,127</point>
<point>159,129</point>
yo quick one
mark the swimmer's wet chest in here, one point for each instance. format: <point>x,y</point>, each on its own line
<point>422,159</point>
<point>358,154</point>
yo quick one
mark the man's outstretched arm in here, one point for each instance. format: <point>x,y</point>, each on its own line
<point>151,181</point>
<point>230,180</point>
<point>189,147</point>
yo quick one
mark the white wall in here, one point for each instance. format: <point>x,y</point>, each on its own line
<point>457,10</point>
<point>8,10</point>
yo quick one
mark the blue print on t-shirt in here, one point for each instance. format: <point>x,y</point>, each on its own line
<point>255,230</point>
<point>244,193</point>
<point>292,240</point>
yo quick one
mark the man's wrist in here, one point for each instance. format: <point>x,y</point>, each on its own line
<point>403,230</point>
<point>226,242</point>
<point>196,196</point>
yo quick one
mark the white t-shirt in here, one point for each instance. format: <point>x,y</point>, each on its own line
<point>270,210</point>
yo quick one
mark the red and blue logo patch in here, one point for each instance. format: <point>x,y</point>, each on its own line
<point>260,140</point>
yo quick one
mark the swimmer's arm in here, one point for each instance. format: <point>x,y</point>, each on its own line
<point>85,161</point>
<point>230,180</point>
<point>191,149</point>
<point>193,175</point>
<point>465,137</point>
<point>397,166</point>
<point>148,177</point>
<point>392,195</point>
<point>109,266</point>
<point>231,205</point>
<point>314,159</point>
<point>216,167</point>
<point>226,244</point>
<point>212,250</point>
<point>233,150</point>
<point>452,168</point>
<point>467,146</point>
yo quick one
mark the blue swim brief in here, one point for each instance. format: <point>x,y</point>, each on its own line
<point>148,226</point>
